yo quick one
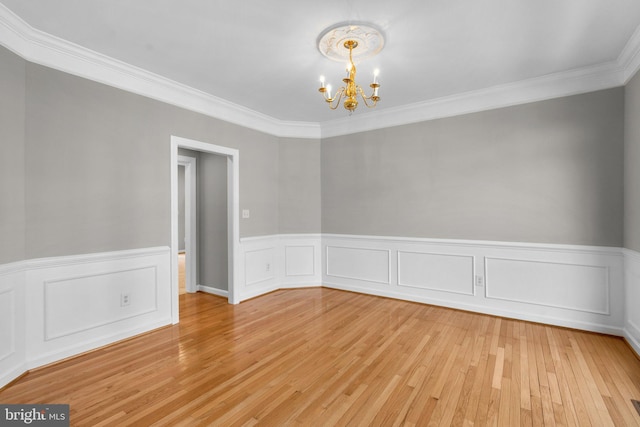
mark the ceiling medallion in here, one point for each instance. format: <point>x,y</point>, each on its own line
<point>350,42</point>
<point>369,38</point>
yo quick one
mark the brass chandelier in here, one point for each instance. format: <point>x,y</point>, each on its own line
<point>351,88</point>
<point>340,41</point>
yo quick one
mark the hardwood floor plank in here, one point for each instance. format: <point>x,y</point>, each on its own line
<point>504,411</point>
<point>525,389</point>
<point>326,357</point>
<point>599,414</point>
<point>497,369</point>
<point>471,411</point>
<point>572,395</point>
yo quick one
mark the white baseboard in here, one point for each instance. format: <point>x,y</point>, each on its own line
<point>83,346</point>
<point>257,291</point>
<point>12,374</point>
<point>301,285</point>
<point>567,323</point>
<point>632,340</point>
<point>213,291</point>
<point>54,308</point>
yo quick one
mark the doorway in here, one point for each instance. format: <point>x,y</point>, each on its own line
<point>233,229</point>
<point>187,224</point>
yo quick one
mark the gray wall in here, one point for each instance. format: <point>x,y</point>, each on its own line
<point>84,168</point>
<point>12,127</point>
<point>97,166</point>
<point>632,165</point>
<point>212,221</point>
<point>548,172</point>
<point>299,191</point>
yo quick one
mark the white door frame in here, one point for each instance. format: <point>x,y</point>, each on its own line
<point>190,222</point>
<point>233,209</point>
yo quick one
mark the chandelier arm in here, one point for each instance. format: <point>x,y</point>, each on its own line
<point>372,96</point>
<point>339,95</point>
<point>365,98</point>
<point>362,94</point>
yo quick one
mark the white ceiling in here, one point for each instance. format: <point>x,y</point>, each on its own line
<point>262,54</point>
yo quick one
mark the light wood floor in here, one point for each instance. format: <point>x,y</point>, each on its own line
<point>323,357</point>
<point>182,288</point>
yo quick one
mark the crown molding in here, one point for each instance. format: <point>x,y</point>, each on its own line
<point>44,49</point>
<point>629,59</point>
<point>574,82</point>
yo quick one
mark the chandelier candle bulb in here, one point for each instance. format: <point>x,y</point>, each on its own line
<point>375,76</point>
<point>321,81</point>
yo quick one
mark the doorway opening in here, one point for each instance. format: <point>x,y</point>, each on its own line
<point>187,225</point>
<point>233,229</point>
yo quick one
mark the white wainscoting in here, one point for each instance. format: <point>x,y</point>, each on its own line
<point>632,299</point>
<point>580,287</point>
<point>54,308</point>
<point>12,322</point>
<point>299,260</point>
<point>49,308</point>
<point>438,272</point>
<point>549,283</point>
<point>81,303</point>
<point>279,261</point>
<point>573,286</point>
<point>362,264</point>
<point>265,258</point>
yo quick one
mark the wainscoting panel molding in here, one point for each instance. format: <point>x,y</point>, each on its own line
<point>12,322</point>
<point>552,284</point>
<point>98,300</point>
<point>8,316</point>
<point>279,261</point>
<point>361,264</point>
<point>78,303</point>
<point>632,299</point>
<point>260,266</point>
<point>53,308</point>
<point>439,272</point>
<point>299,261</point>
<point>302,257</point>
<point>572,286</point>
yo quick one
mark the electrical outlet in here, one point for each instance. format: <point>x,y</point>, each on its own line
<point>245,213</point>
<point>479,281</point>
<point>268,267</point>
<point>125,299</point>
